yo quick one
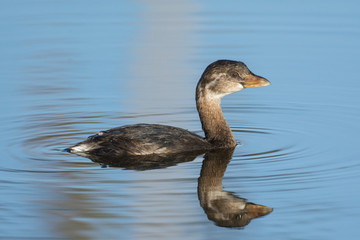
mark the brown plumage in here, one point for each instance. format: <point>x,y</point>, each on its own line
<point>219,79</point>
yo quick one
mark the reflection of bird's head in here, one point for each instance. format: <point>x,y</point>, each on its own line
<point>232,211</point>
<point>223,207</point>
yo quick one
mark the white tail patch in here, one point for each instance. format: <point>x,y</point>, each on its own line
<point>81,148</point>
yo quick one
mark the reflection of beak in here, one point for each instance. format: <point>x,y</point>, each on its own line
<point>255,210</point>
<point>253,80</point>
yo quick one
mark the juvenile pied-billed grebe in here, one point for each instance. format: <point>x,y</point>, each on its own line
<point>219,79</point>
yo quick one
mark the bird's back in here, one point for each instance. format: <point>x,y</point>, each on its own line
<point>141,139</point>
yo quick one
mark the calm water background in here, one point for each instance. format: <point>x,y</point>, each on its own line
<point>71,68</point>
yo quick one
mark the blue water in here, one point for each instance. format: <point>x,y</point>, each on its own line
<point>71,68</point>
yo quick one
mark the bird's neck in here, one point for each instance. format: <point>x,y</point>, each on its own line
<point>217,130</point>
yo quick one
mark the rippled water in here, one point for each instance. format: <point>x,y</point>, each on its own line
<point>69,69</point>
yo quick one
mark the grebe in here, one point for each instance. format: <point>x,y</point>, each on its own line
<point>219,79</point>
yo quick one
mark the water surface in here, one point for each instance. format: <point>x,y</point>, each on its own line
<point>69,69</point>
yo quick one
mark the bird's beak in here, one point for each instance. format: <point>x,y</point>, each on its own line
<point>253,80</point>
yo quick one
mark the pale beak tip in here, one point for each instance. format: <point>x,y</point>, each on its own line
<point>266,82</point>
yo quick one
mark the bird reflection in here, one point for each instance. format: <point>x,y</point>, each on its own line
<point>223,207</point>
<point>141,163</point>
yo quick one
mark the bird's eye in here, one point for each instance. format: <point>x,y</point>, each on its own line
<point>234,74</point>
